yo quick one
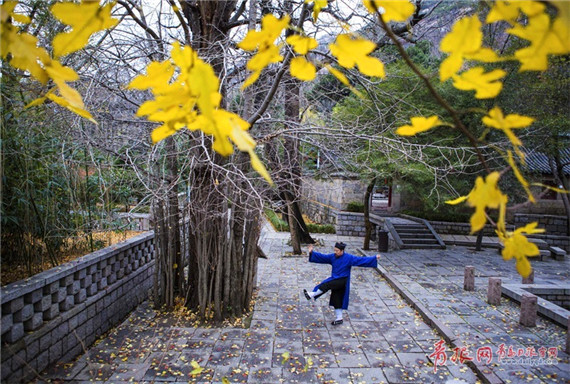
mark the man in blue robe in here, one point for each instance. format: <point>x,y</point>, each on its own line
<point>339,281</point>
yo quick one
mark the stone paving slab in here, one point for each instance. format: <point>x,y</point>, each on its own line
<point>395,321</point>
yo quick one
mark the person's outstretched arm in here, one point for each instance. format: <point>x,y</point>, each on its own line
<point>367,261</point>
<point>316,257</point>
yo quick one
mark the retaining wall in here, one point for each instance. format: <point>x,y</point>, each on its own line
<point>47,318</point>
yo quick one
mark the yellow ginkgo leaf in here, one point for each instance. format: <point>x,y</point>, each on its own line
<point>225,380</point>
<point>352,50</point>
<point>302,69</point>
<point>391,10</point>
<point>419,124</point>
<point>517,246</point>
<point>519,176</point>
<point>460,199</point>
<point>317,6</point>
<point>25,54</point>
<point>545,38</point>
<point>285,356</point>
<point>302,44</point>
<point>197,369</point>
<point>75,109</point>
<point>338,74</point>
<point>85,19</point>
<point>158,75</point>
<point>497,120</point>
<point>510,10</point>
<point>485,85</point>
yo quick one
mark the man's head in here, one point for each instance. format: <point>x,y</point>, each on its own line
<point>339,248</point>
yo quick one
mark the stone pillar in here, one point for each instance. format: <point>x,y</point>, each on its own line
<point>494,291</point>
<point>568,337</point>
<point>469,278</point>
<point>529,307</point>
<point>529,279</point>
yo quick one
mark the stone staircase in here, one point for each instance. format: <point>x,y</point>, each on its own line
<point>414,235</point>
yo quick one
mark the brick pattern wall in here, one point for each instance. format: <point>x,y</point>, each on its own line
<point>558,296</point>
<point>554,225</point>
<point>46,318</point>
<point>350,224</point>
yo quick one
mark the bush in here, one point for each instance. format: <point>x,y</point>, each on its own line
<point>355,206</point>
<point>281,226</point>
<point>321,228</point>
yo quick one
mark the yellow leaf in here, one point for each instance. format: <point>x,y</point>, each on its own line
<point>225,380</point>
<point>285,356</point>
<point>302,44</point>
<point>485,85</point>
<point>302,69</point>
<point>351,50</point>
<point>419,124</point>
<point>317,6</point>
<point>463,42</point>
<point>271,28</point>
<point>25,54</point>
<point>197,369</point>
<point>65,103</point>
<point>259,167</point>
<point>460,199</point>
<point>517,246</point>
<point>264,57</point>
<point>391,10</point>
<point>85,19</point>
<point>158,75</point>
<point>510,10</point>
<point>339,75</point>
<point>545,38</point>
<point>497,120</point>
<point>519,176</point>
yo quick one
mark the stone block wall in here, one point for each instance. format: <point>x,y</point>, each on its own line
<point>350,224</point>
<point>554,225</point>
<point>558,296</point>
<point>47,318</point>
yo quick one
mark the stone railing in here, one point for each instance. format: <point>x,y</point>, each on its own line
<point>50,317</point>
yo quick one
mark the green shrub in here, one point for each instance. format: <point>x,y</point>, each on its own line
<point>282,226</point>
<point>355,206</point>
<point>279,224</point>
<point>321,228</point>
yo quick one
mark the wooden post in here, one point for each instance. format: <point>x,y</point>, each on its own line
<point>529,279</point>
<point>469,278</point>
<point>529,308</point>
<point>494,291</point>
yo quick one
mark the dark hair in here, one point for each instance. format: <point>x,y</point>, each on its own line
<point>340,245</point>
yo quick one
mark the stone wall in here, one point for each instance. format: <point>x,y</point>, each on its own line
<point>554,225</point>
<point>350,224</point>
<point>558,296</point>
<point>334,193</point>
<point>47,318</point>
<point>443,227</point>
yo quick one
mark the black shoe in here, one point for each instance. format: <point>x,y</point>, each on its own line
<point>336,322</point>
<point>307,294</point>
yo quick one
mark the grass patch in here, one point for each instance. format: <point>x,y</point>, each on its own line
<point>281,226</point>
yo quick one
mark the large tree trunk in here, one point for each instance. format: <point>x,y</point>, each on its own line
<point>556,167</point>
<point>223,238</point>
<point>292,168</point>
<point>367,223</point>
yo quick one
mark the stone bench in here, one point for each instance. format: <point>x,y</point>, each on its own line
<point>557,253</point>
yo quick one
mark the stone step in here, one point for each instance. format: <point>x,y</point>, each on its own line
<point>420,241</point>
<point>421,246</point>
<point>415,235</point>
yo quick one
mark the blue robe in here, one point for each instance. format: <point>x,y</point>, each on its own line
<point>341,268</point>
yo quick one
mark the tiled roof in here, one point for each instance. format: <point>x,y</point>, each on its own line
<point>538,161</point>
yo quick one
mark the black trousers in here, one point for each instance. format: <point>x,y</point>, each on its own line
<point>337,288</point>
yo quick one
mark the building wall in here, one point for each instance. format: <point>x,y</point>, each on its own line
<point>47,318</point>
